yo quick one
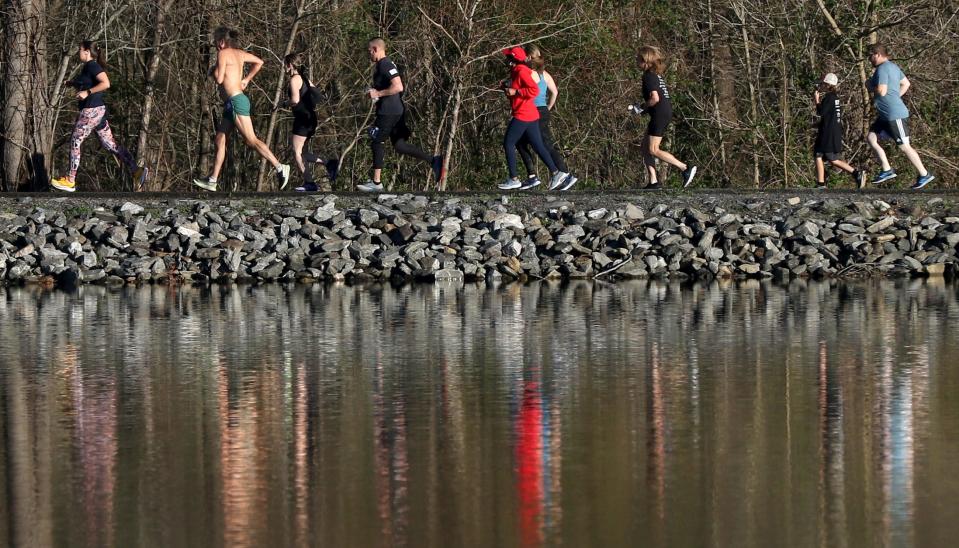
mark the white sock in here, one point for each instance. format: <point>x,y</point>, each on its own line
<point>212,179</point>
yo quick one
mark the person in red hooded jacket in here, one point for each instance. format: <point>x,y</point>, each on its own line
<point>521,90</point>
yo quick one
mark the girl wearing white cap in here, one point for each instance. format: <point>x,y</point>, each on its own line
<point>828,146</point>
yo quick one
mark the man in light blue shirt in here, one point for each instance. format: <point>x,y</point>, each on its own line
<point>888,84</point>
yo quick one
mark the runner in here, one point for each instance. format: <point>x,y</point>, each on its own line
<point>228,73</point>
<point>544,101</point>
<point>90,85</point>
<point>303,105</point>
<point>521,89</point>
<point>660,110</point>
<point>888,84</point>
<point>390,122</point>
<point>828,146</point>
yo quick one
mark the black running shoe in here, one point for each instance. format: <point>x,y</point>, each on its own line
<point>308,187</point>
<point>653,186</point>
<point>332,168</point>
<point>569,182</point>
<point>531,182</point>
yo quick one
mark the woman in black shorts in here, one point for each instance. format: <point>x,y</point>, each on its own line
<point>656,103</point>
<point>303,106</point>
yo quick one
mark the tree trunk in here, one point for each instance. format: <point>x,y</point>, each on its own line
<point>753,107</point>
<point>41,105</point>
<point>149,90</point>
<point>724,87</point>
<point>15,105</point>
<point>784,108</point>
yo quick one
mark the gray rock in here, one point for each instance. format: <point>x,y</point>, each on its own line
<point>881,225</point>
<point>188,233</point>
<point>18,271</point>
<point>208,253</point>
<point>24,251</point>
<point>508,220</point>
<point>633,213</point>
<point>131,208</point>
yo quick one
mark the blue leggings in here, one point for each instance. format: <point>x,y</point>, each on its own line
<point>514,132</point>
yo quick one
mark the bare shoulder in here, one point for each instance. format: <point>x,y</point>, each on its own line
<point>247,57</point>
<point>227,56</point>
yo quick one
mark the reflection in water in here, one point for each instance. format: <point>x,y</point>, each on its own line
<point>813,414</point>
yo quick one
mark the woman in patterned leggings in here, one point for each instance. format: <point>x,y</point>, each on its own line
<point>90,84</point>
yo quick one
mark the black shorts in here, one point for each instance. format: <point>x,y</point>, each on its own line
<point>658,123</point>
<point>897,130</point>
<point>390,126</point>
<point>829,156</point>
<point>304,123</point>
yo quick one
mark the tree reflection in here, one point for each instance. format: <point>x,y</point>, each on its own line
<point>542,414</point>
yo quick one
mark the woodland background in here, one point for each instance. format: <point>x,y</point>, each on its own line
<point>741,74</point>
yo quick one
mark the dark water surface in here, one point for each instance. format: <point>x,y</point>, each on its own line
<point>640,414</point>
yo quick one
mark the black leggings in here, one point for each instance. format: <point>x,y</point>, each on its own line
<point>548,142</point>
<point>393,126</point>
<point>517,130</point>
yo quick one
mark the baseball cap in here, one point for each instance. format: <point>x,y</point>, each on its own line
<point>516,52</point>
<point>831,79</point>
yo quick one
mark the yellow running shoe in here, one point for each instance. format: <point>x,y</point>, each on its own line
<point>63,184</point>
<point>140,177</point>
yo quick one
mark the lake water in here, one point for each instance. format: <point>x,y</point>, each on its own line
<point>577,414</point>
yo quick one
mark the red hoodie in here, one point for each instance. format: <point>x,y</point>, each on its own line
<point>523,104</point>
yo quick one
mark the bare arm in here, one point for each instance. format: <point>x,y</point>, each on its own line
<point>904,85</point>
<point>396,87</point>
<point>881,90</point>
<point>103,84</point>
<point>553,90</point>
<point>250,59</point>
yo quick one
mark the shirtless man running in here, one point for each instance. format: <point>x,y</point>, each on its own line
<point>228,72</point>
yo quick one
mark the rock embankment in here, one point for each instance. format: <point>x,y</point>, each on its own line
<point>73,241</point>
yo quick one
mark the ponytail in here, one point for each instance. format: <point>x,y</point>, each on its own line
<point>96,51</point>
<point>296,59</point>
<point>535,58</point>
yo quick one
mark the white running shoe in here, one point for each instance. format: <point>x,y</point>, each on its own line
<point>283,175</point>
<point>511,184</point>
<point>557,180</point>
<point>370,186</point>
<point>688,176</point>
<point>205,183</point>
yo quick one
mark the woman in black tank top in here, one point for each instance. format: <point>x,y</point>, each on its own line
<point>303,107</point>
